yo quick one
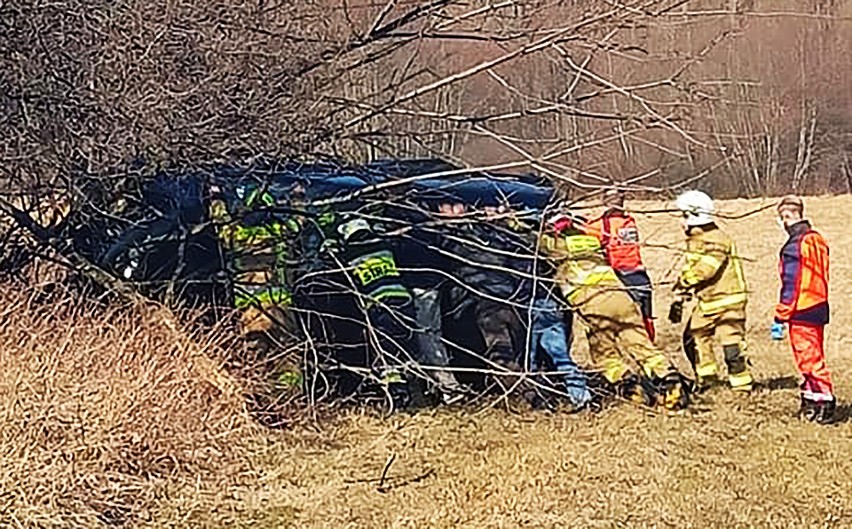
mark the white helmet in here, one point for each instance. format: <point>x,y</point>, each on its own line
<point>698,208</point>
<point>350,228</point>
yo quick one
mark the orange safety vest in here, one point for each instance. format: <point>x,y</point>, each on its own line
<point>803,268</point>
<point>619,238</point>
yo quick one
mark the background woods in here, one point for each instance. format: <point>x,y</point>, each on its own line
<point>586,92</point>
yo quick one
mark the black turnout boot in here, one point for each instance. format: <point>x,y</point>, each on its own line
<point>825,413</point>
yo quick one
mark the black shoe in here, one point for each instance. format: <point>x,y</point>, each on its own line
<point>673,392</point>
<point>825,412</point>
<point>807,410</point>
<point>637,390</point>
<point>537,401</point>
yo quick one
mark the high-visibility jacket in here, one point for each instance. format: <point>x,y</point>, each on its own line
<point>804,277</point>
<point>582,270</point>
<point>619,238</point>
<point>713,270</point>
<point>257,247</point>
<point>374,271</point>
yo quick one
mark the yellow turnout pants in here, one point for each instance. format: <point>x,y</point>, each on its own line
<point>728,327</point>
<point>617,335</point>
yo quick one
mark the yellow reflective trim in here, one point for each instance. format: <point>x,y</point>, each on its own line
<point>390,291</point>
<point>652,365</point>
<point>272,296</point>
<point>689,274</point>
<point>580,277</point>
<point>374,267</point>
<point>263,195</point>
<point>578,245</point>
<point>613,370</point>
<point>241,233</point>
<point>738,268</point>
<point>707,370</point>
<point>290,379</point>
<point>709,307</point>
<point>741,381</point>
<point>695,258</point>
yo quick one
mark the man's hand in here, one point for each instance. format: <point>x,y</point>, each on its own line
<point>777,331</point>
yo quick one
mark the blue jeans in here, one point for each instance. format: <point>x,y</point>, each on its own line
<point>548,334</point>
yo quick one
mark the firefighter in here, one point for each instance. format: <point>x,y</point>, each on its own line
<point>713,274</point>
<point>387,304</point>
<point>617,336</point>
<point>619,237</point>
<point>255,242</point>
<point>803,307</point>
<point>498,264</point>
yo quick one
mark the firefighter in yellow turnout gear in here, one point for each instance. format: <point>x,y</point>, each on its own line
<point>256,242</point>
<point>713,274</point>
<point>617,337</point>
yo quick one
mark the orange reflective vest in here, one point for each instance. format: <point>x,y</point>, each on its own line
<point>803,267</point>
<point>619,238</point>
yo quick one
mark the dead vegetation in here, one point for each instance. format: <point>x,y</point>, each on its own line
<point>106,411</point>
<point>119,416</point>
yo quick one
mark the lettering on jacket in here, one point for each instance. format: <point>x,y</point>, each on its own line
<point>619,237</point>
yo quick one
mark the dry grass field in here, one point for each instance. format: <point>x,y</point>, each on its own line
<point>108,421</point>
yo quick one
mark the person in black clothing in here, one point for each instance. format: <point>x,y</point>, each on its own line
<point>387,303</point>
<point>425,272</point>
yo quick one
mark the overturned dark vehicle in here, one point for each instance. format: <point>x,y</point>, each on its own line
<point>339,257</point>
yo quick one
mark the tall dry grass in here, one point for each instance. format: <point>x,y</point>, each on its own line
<point>112,417</point>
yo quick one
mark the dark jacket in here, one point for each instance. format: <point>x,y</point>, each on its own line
<point>492,259</point>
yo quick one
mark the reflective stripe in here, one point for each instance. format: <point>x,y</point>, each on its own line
<point>741,381</point>
<point>652,365</point>
<point>736,262</point>
<point>241,233</point>
<point>262,296</point>
<point>709,307</point>
<point>578,245</point>
<point>290,379</point>
<point>580,277</point>
<point>264,196</point>
<point>707,370</point>
<point>390,292</point>
<point>817,396</point>
<point>689,275</point>
<point>375,266</point>
<point>613,370</point>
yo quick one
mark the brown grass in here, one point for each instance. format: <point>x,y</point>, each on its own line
<point>107,414</point>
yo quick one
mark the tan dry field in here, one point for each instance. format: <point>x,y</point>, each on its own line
<point>731,462</point>
<point>105,421</point>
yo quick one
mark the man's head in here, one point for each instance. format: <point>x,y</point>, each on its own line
<point>613,198</point>
<point>791,210</point>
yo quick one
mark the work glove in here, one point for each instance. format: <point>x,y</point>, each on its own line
<point>777,331</point>
<point>676,311</point>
